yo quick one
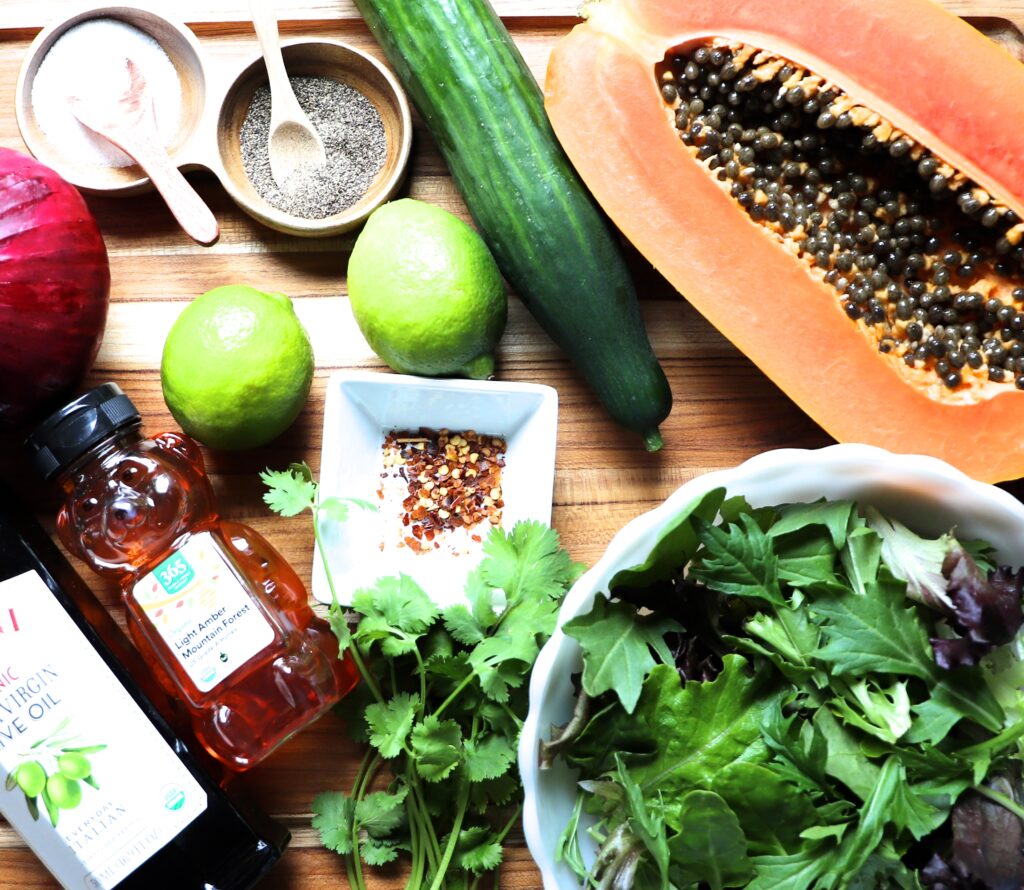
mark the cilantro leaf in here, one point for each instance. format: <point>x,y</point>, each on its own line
<point>477,850</point>
<point>380,813</point>
<point>400,602</point>
<point>290,491</point>
<point>738,560</point>
<point>617,644</point>
<point>391,722</point>
<point>489,757</point>
<point>463,625</point>
<point>336,508</point>
<point>333,815</point>
<point>528,562</point>
<point>375,851</point>
<point>436,748</point>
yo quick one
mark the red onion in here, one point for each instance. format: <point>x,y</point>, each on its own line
<point>54,288</point>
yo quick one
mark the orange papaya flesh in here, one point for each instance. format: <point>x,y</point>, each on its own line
<point>910,73</point>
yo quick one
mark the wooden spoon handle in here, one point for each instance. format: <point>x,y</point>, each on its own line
<point>284,105</point>
<point>190,210</point>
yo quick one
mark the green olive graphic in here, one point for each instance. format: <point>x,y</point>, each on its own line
<point>74,766</point>
<point>31,778</point>
<point>65,793</point>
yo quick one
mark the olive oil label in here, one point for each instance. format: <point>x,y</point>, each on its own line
<point>88,781</point>
<point>203,612</point>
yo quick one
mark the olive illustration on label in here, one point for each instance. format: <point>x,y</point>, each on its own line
<point>55,774</point>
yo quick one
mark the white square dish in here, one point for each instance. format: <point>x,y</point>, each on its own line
<point>362,407</point>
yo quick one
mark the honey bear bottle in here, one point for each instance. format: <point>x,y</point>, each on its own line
<point>218,615</point>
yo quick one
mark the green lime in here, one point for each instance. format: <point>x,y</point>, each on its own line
<point>237,367</point>
<point>426,291</point>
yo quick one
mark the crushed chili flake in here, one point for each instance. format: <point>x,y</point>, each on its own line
<point>452,481</point>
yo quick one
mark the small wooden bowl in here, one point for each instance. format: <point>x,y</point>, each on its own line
<point>215,100</point>
<point>316,58</point>
<point>183,50</point>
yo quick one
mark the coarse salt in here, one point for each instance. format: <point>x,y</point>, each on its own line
<point>90,61</point>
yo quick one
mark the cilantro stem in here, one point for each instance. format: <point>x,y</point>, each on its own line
<point>367,770</point>
<point>353,648</point>
<point>1001,799</point>
<point>453,837</point>
<point>511,822</point>
<point>422,814</point>
<point>455,693</point>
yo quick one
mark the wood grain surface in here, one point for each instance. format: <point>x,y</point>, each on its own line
<point>725,410</point>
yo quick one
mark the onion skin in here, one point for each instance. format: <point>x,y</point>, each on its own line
<point>54,288</point>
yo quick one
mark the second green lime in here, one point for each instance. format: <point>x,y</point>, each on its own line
<point>426,292</point>
<point>237,367</point>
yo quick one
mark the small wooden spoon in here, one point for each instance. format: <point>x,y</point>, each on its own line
<point>293,142</point>
<point>128,121</point>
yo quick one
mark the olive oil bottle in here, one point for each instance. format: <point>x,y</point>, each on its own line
<point>91,774</point>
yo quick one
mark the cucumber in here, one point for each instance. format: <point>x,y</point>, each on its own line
<point>552,243</point>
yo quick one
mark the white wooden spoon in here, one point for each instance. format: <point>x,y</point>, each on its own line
<point>129,122</point>
<point>293,142</point>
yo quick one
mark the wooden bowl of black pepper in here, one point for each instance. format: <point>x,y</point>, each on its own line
<point>363,117</point>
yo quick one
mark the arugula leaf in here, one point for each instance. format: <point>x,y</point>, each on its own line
<point>876,632</point>
<point>861,559</point>
<point>738,560</point>
<point>833,515</point>
<point>710,847</point>
<point>676,545</point>
<point>844,759</point>
<point>855,848</point>
<point>800,750</point>
<point>644,824</point>
<point>617,644</point>
<point>333,815</point>
<point>794,871</point>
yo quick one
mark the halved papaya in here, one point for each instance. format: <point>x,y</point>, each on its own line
<point>837,186</point>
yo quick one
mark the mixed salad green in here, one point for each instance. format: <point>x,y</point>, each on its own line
<point>801,696</point>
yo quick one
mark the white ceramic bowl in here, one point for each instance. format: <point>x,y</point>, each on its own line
<point>926,494</point>
<point>363,406</point>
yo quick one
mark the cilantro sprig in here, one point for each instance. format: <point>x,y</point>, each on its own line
<point>442,703</point>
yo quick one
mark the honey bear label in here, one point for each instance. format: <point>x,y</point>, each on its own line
<point>87,780</point>
<point>202,611</point>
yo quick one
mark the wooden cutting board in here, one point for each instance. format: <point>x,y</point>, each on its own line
<point>725,410</point>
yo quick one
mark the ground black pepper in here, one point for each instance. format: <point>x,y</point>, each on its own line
<point>353,136</point>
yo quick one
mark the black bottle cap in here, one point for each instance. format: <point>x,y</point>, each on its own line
<point>69,433</point>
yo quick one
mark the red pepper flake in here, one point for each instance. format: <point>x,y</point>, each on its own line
<point>453,480</point>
